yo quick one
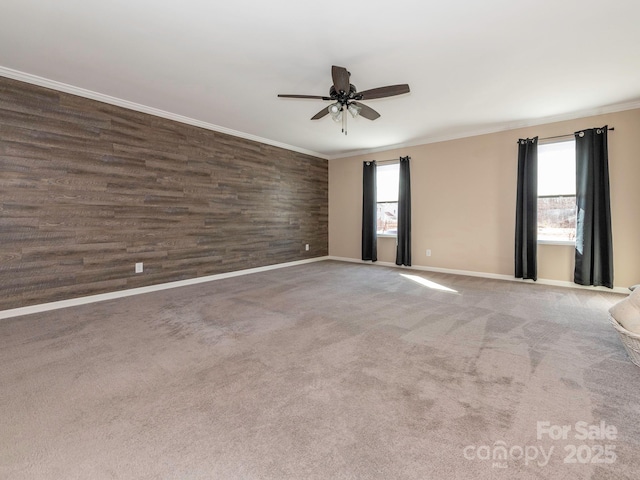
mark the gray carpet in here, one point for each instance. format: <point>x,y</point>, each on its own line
<point>322,371</point>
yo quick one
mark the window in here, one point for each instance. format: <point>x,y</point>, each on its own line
<point>387,177</point>
<point>557,192</point>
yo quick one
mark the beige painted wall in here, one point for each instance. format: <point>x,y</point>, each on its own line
<point>463,202</point>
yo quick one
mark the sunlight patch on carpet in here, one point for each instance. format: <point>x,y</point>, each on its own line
<point>428,283</point>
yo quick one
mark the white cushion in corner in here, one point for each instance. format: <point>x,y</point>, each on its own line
<point>627,312</point>
<point>634,298</point>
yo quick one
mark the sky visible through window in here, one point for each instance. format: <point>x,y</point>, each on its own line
<point>387,178</point>
<point>387,192</point>
<point>557,169</point>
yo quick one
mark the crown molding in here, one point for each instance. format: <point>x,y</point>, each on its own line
<point>505,127</point>
<point>82,92</point>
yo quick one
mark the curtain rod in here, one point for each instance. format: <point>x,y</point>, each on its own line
<point>393,160</point>
<point>563,136</point>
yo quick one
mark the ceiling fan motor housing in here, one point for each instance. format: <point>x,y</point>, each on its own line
<point>344,97</point>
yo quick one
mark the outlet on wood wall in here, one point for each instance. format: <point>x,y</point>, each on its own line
<point>89,189</point>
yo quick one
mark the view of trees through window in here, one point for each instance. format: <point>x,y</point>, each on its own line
<point>557,218</point>
<point>557,191</point>
<point>387,177</point>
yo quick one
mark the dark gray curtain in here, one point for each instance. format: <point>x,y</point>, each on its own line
<point>369,212</point>
<point>526,258</point>
<point>594,249</point>
<point>403,249</point>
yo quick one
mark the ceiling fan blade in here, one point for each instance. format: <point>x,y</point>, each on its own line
<point>382,92</point>
<point>315,97</point>
<point>320,114</point>
<point>367,112</point>
<point>340,78</point>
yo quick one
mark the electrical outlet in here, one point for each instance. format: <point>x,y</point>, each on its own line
<point>306,247</point>
<point>428,252</point>
<point>139,267</point>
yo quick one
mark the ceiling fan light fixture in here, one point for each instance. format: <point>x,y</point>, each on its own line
<point>335,110</point>
<point>354,109</point>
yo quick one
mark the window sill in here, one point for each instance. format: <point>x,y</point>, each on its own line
<point>570,243</point>
<point>387,235</point>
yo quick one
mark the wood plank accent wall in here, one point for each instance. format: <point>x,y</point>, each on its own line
<point>87,189</point>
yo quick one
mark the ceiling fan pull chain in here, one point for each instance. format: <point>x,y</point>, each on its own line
<point>345,120</point>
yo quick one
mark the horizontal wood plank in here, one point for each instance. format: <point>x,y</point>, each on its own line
<point>89,189</point>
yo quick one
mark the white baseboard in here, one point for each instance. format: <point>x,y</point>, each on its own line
<point>494,276</point>
<point>72,302</point>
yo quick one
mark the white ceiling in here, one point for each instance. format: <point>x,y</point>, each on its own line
<point>473,67</point>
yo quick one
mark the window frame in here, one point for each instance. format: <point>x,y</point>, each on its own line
<point>549,241</point>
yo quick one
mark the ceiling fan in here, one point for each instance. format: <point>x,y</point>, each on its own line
<point>345,96</point>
